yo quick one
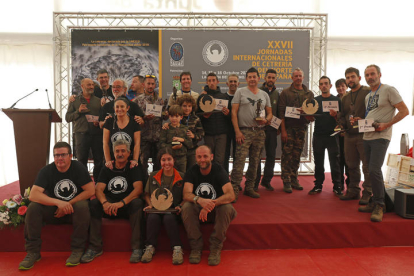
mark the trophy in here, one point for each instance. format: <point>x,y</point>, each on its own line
<point>258,110</point>
<point>85,102</point>
<point>175,143</point>
<point>161,200</point>
<point>164,107</point>
<point>206,104</point>
<point>310,106</point>
<point>174,94</point>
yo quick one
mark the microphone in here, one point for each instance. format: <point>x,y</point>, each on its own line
<point>47,94</point>
<point>23,98</point>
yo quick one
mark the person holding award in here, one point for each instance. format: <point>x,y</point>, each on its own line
<point>164,196</point>
<point>84,112</point>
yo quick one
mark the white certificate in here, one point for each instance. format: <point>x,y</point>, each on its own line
<point>365,125</point>
<point>153,109</point>
<point>275,122</point>
<point>91,118</point>
<point>328,105</point>
<point>292,112</point>
<point>220,104</point>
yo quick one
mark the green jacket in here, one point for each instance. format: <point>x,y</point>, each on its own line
<point>166,137</point>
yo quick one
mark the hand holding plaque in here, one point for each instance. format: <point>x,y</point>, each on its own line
<point>161,200</point>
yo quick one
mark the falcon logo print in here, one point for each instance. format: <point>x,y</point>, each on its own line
<point>65,189</point>
<point>206,190</point>
<point>117,185</point>
<point>215,53</point>
<point>121,135</point>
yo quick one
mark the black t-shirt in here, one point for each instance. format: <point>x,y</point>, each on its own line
<point>119,182</point>
<point>64,186</point>
<point>325,124</point>
<point>207,186</point>
<point>134,110</point>
<point>127,133</point>
<point>97,91</point>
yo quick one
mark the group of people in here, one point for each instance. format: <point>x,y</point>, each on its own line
<point>115,125</point>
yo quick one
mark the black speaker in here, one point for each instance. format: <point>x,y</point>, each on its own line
<point>404,203</point>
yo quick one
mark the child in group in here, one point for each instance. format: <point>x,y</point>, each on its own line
<point>195,128</point>
<point>176,138</point>
<point>166,178</point>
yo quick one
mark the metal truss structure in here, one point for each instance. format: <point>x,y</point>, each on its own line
<point>64,22</point>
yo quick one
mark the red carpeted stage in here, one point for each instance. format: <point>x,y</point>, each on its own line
<point>275,221</point>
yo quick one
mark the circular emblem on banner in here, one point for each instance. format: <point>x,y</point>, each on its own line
<point>65,189</point>
<point>177,51</point>
<point>206,190</point>
<point>121,135</point>
<point>215,53</point>
<point>117,185</point>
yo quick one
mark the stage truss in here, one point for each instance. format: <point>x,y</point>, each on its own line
<point>64,22</point>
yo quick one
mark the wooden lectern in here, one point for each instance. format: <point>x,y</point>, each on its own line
<point>32,136</point>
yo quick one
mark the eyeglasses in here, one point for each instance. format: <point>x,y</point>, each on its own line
<point>57,155</point>
<point>117,87</point>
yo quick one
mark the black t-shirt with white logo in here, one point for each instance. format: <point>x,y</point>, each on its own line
<point>119,182</point>
<point>207,186</point>
<point>64,186</point>
<point>127,133</point>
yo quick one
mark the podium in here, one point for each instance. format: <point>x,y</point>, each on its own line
<point>32,136</point>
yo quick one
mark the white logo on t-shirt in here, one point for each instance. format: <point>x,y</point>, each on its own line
<point>121,135</point>
<point>117,185</point>
<point>65,189</point>
<point>206,190</point>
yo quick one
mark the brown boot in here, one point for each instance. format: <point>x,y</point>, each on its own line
<point>296,186</point>
<point>251,193</point>
<point>377,214</point>
<point>367,208</point>
<point>287,188</point>
<point>214,257</point>
<point>350,196</point>
<point>195,256</point>
<point>365,199</point>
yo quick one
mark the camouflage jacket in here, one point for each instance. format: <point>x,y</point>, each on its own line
<point>166,137</point>
<point>151,129</point>
<point>193,123</point>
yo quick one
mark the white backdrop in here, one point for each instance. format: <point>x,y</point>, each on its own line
<point>359,33</point>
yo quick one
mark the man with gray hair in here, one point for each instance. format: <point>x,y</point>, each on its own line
<point>293,129</point>
<point>381,103</point>
<point>119,89</point>
<point>84,112</point>
<point>117,196</point>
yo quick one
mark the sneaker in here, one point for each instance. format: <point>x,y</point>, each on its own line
<point>148,252</point>
<point>296,186</point>
<point>195,256</point>
<point>267,186</point>
<point>349,196</point>
<point>287,188</point>
<point>337,191</point>
<point>251,193</point>
<point>74,259</point>
<point>364,199</point>
<point>214,257</point>
<point>136,256</point>
<point>178,255</point>
<point>90,255</point>
<point>315,190</point>
<point>29,261</point>
<point>377,214</point>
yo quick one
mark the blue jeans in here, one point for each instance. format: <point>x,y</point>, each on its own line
<point>375,151</point>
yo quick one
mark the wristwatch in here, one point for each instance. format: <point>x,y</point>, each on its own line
<point>195,199</point>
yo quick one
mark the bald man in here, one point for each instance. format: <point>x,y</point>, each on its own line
<point>84,113</point>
